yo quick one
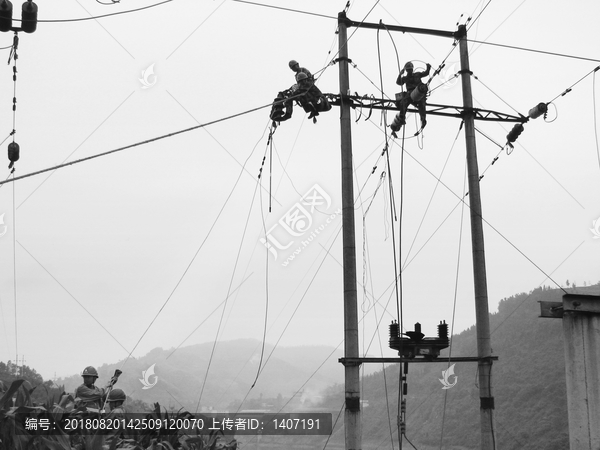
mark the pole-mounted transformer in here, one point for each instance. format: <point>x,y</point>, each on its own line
<point>29,13</point>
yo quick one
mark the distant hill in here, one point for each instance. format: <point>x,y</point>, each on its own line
<point>528,385</point>
<point>286,372</point>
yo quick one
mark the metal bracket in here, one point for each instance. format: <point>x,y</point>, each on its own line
<point>572,303</point>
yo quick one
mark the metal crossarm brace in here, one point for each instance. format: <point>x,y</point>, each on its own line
<point>357,101</point>
<point>439,359</point>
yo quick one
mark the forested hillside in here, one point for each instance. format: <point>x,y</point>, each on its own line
<point>528,383</point>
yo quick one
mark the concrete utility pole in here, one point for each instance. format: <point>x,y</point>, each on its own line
<point>484,347</point>
<point>351,360</point>
<point>581,327</point>
<point>352,416</point>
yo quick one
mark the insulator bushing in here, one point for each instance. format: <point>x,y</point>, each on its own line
<point>394,330</point>
<point>538,110</point>
<point>443,330</point>
<point>13,152</point>
<point>29,14</point>
<point>6,10</point>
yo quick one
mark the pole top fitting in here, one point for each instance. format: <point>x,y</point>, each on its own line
<point>461,32</point>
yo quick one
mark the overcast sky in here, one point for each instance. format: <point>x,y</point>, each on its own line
<point>178,226</point>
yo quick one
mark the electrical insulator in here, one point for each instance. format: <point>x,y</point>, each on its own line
<point>397,123</point>
<point>443,330</point>
<point>417,327</point>
<point>403,406</point>
<point>394,330</point>
<point>29,17</point>
<point>402,427</point>
<point>13,153</point>
<point>6,10</point>
<point>514,133</point>
<point>418,93</point>
<point>538,110</point>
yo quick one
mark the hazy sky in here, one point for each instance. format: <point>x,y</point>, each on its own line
<point>178,226</point>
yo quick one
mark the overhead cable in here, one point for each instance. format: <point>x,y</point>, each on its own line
<point>80,19</point>
<point>534,51</point>
<point>137,144</point>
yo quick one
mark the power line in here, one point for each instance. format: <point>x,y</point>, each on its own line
<point>569,89</point>
<point>286,9</point>
<point>479,15</point>
<point>72,296</point>
<point>534,51</point>
<point>81,19</point>
<point>137,144</point>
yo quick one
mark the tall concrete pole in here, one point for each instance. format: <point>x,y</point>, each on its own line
<point>581,325</point>
<point>484,348</point>
<point>352,416</point>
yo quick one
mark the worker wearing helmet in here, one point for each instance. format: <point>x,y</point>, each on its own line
<point>115,399</point>
<point>295,66</point>
<point>312,99</point>
<point>88,394</point>
<point>415,94</point>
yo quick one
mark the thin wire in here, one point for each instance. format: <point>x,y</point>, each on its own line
<point>460,234</point>
<point>533,50</point>
<point>72,296</point>
<point>15,270</point>
<point>333,427</point>
<point>595,119</point>
<point>286,9</point>
<point>395,48</point>
<point>489,224</point>
<point>208,317</point>
<point>194,257</point>
<point>501,23</point>
<point>137,144</point>
<point>432,196</point>
<point>399,273</point>
<point>479,15</point>
<point>501,99</point>
<point>569,89</point>
<point>262,214</point>
<point>228,291</point>
<point>101,16</point>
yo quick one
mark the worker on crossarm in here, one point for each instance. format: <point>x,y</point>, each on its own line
<point>415,94</point>
<point>311,98</point>
<point>88,394</point>
<point>295,66</point>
